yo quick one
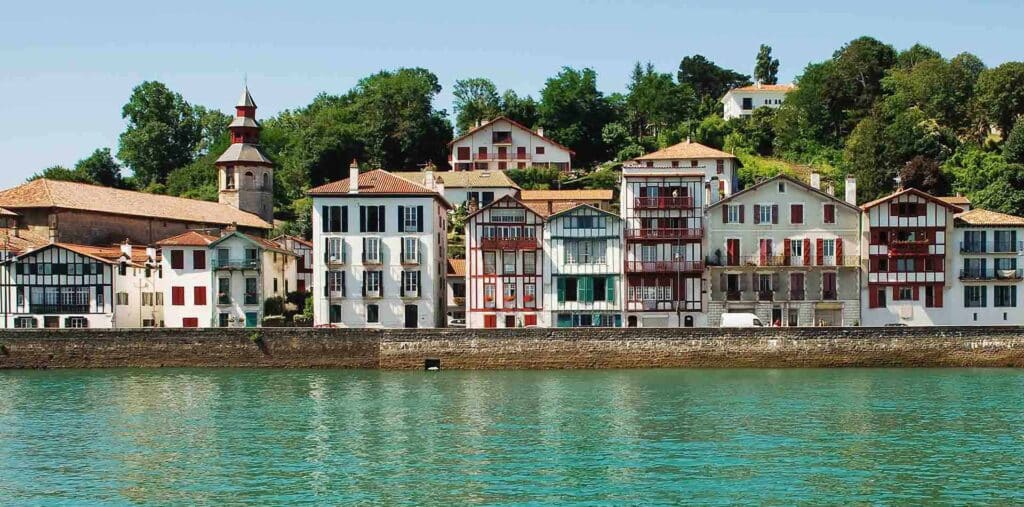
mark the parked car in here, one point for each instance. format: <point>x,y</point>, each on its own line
<point>457,323</point>
<point>740,320</point>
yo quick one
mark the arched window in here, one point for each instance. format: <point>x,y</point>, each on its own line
<point>250,180</point>
<point>229,178</point>
<point>266,181</point>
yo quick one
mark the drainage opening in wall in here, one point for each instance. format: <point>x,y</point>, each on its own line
<point>432,364</point>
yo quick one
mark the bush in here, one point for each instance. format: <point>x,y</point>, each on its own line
<point>273,306</point>
<point>274,321</point>
<point>302,321</point>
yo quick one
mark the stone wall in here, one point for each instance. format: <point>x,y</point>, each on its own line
<point>514,348</point>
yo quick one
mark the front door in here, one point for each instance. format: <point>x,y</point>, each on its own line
<point>411,316</point>
<point>510,321</point>
<point>250,319</point>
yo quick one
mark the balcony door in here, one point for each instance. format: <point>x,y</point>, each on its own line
<point>732,252</point>
<point>411,316</point>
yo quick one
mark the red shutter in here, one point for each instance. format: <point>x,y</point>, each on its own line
<point>725,213</point>
<point>199,259</point>
<point>819,250</point>
<point>757,213</point>
<point>937,296</point>
<point>530,320</point>
<point>796,213</point>
<point>177,259</point>
<point>830,213</point>
<point>839,251</point>
<point>894,209</point>
<point>742,213</point>
<point>490,321</point>
<point>189,322</point>
<point>775,213</point>
<point>178,296</point>
<point>761,250</point>
<point>786,250</point>
<point>807,252</point>
<point>916,292</point>
<point>199,296</point>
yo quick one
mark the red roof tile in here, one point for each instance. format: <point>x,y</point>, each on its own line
<point>380,182</point>
<point>515,124</point>
<point>190,238</point>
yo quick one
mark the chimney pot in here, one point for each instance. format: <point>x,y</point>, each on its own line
<point>540,131</point>
<point>850,190</point>
<point>353,177</point>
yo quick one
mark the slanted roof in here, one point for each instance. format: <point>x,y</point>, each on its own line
<point>514,124</point>
<point>296,239</point>
<point>189,238</point>
<point>984,217</point>
<point>246,99</point>
<point>574,207</point>
<point>71,195</point>
<point>535,208</point>
<point>794,181</point>
<point>956,200</point>
<point>243,153</point>
<point>380,183</point>
<point>22,240</point>
<point>786,87</point>
<point>463,179</point>
<point>457,267</point>
<point>8,213</point>
<point>684,150</point>
<point>106,254</point>
<point>263,243</point>
<point>243,121</point>
<point>566,195</point>
<point>924,195</point>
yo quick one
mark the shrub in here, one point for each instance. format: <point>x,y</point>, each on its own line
<point>274,321</point>
<point>273,306</point>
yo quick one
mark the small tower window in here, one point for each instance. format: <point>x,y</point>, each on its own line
<point>250,180</point>
<point>229,178</point>
<point>266,181</point>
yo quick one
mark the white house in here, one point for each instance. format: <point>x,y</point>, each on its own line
<point>63,285</point>
<point>460,187</point>
<point>786,251</point>
<point>987,264</point>
<point>380,252</point>
<point>303,250</point>
<point>502,144</point>
<point>456,280</point>
<point>583,268</point>
<point>742,101</point>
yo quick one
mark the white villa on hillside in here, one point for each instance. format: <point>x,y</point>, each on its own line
<point>740,102</point>
<point>502,144</point>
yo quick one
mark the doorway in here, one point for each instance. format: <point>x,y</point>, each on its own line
<point>776,316</point>
<point>412,318</point>
<point>510,321</point>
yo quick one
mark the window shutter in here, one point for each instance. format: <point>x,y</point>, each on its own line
<point>872,298</point>
<point>725,213</point>
<point>763,250</point>
<point>324,218</point>
<point>419,284</point>
<point>381,220</point>
<point>401,242</point>
<point>1013,296</point>
<point>757,213</point>
<point>796,212</point>
<point>366,275</point>
<point>839,251</point>
<point>894,209</point>
<point>819,250</point>
<point>723,284</point>
<point>787,252</point>
<point>327,283</point>
<point>344,219</point>
<point>938,296</point>
<point>419,218</point>
<point>401,283</point>
<point>807,251</point>
<point>401,219</point>
<point>742,213</point>
<point>984,296</point>
<point>916,292</point>
<point>609,288</point>
<point>362,219</point>
<point>364,250</point>
<point>775,213</point>
<point>775,281</point>
<point>561,289</point>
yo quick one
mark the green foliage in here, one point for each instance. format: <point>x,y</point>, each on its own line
<point>766,68</point>
<point>457,218</point>
<point>655,101</point>
<point>756,169</point>
<point>573,111</point>
<point>524,110</point>
<point>62,173</point>
<point>163,132</point>
<point>307,307</point>
<point>273,306</point>
<point>476,99</point>
<point>605,177</point>
<point>1013,150</point>
<point>1000,93</point>
<point>914,55</point>
<point>616,137</point>
<point>924,174</point>
<point>535,178</point>
<point>712,131</point>
<point>101,168</point>
<point>708,82</point>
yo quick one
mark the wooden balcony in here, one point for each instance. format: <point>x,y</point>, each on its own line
<point>664,234</point>
<point>909,247</point>
<point>665,267</point>
<point>509,244</point>
<point>663,203</point>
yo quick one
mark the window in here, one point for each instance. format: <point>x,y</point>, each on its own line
<point>765,214</point>
<point>372,283</point>
<point>158,298</point>
<point>508,216</point>
<point>1005,296</point>
<point>529,262</point>
<point>25,322</point>
<point>410,218</point>
<point>748,103</point>
<point>508,292</point>
<point>782,187</point>
<point>490,263</point>
<point>585,251</point>
<point>796,249</point>
<point>410,283</point>
<point>199,259</point>
<point>336,283</point>
<point>828,285</point>
<point>508,263</point>
<point>222,319</point>
<point>199,296</point>
<point>733,213</point>
<point>530,295</point>
<point>122,299</point>
<point>223,291</point>
<point>335,218</point>
<point>223,256</point>
<point>334,314</point>
<point>1005,241</point>
<point>974,296</point>
<point>177,259</point>
<point>489,293</point>
<point>250,255</point>
<point>828,248</point>
<point>410,250</point>
<point>486,198</point>
<point>586,222</point>
<point>829,213</point>
<point>252,291</point>
<point>539,150</point>
<point>371,250</point>
<point>904,265</point>
<point>372,314</point>
<point>903,294</point>
<point>76,322</point>
<point>720,166</point>
<point>371,219</point>
<point>335,250</point>
<point>908,209</point>
<point>796,213</point>
<point>147,299</point>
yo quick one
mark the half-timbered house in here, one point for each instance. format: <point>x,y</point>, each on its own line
<point>583,268</point>
<point>504,266</point>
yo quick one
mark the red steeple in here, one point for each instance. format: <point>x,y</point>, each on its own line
<point>245,135</point>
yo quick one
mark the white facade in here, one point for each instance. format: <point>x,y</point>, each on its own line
<point>379,257</point>
<point>741,102</point>
<point>583,268</point>
<point>502,144</point>
<point>303,251</point>
<point>986,278</point>
<point>786,252</point>
<point>188,286</point>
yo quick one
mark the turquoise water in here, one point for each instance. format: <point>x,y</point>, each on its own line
<point>550,437</point>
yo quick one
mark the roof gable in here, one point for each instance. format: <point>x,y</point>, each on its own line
<point>981,217</point>
<point>378,182</point>
<point>514,124</point>
<point>566,195</point>
<point>684,150</point>
<point>807,188</point>
<point>508,199</point>
<point>463,179</point>
<point>924,195</point>
<point>188,238</point>
<point>578,207</point>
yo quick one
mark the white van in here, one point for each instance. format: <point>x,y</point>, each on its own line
<point>740,320</point>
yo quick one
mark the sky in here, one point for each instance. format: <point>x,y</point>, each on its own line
<point>67,67</point>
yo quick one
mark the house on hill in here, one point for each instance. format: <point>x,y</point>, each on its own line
<point>742,101</point>
<point>502,144</point>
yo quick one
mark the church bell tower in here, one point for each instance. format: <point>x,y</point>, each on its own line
<point>245,174</point>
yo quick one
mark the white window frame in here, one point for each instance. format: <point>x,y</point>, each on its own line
<point>411,282</point>
<point>796,249</point>
<point>374,280</point>
<point>828,248</point>
<point>410,219</point>
<point>732,213</point>
<point>372,253</point>
<point>335,279</point>
<point>766,214</point>
<point>504,263</point>
<point>410,250</point>
<point>336,249</point>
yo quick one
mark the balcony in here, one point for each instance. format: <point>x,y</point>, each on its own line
<point>235,263</point>
<point>829,295</point>
<point>1007,246</point>
<point>991,274</point>
<point>797,295</point>
<point>663,203</point>
<point>765,295</point>
<point>784,261</point>
<point>485,157</point>
<point>335,259</point>
<point>51,309</point>
<point>980,247</point>
<point>664,234</point>
<point>973,247</point>
<point>909,247</point>
<point>733,295</point>
<point>509,244</point>
<point>664,266</point>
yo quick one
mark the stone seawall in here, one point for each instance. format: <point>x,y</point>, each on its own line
<point>514,348</point>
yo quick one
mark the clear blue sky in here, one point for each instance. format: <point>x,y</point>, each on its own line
<point>67,67</point>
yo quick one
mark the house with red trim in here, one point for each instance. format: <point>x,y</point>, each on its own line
<point>505,266</point>
<point>503,143</point>
<point>786,251</point>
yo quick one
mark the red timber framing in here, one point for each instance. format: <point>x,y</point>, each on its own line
<point>908,238</point>
<point>664,229</point>
<point>504,263</point>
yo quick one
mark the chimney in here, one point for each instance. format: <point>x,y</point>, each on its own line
<point>439,185</point>
<point>151,254</point>
<point>851,190</point>
<point>540,131</point>
<point>353,177</point>
<point>230,229</point>
<point>126,249</point>
<point>830,190</point>
<point>815,180</point>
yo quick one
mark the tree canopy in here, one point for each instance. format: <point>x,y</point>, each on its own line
<point>766,68</point>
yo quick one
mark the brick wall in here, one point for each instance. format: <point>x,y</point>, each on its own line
<point>515,348</point>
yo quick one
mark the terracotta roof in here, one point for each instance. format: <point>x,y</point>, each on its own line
<point>787,87</point>
<point>457,267</point>
<point>686,149</point>
<point>919,193</point>
<point>296,239</point>
<point>574,206</point>
<point>263,243</point>
<point>566,195</point>
<point>986,217</point>
<point>24,241</point>
<point>109,254</point>
<point>956,200</point>
<point>46,193</point>
<point>535,207</point>
<point>463,179</point>
<point>794,181</point>
<point>378,181</point>
<point>190,238</point>
<point>243,153</point>
<point>541,208</point>
<point>7,212</point>
<point>514,124</point>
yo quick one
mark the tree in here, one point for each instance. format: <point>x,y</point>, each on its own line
<point>573,112</point>
<point>476,100</point>
<point>708,81</point>
<point>615,136</point>
<point>860,66</point>
<point>101,168</point>
<point>914,55</point>
<point>712,131</point>
<point>766,68</point>
<point>924,174</point>
<point>655,101</point>
<point>520,109</point>
<point>62,173</point>
<point>214,126</point>
<point>163,132</point>
<point>942,90</point>
<point>1013,150</point>
<point>1000,94</point>
<point>535,178</point>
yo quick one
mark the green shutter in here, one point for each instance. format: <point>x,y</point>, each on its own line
<point>609,289</point>
<point>585,289</point>
<point>984,296</point>
<point>561,290</point>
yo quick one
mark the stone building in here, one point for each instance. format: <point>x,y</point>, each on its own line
<point>245,173</point>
